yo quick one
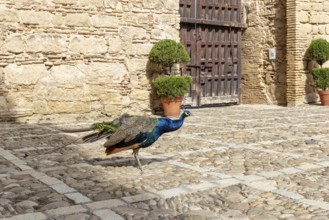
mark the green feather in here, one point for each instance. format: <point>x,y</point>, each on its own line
<point>107,126</point>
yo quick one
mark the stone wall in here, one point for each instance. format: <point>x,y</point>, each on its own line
<point>68,60</point>
<point>288,26</point>
<point>264,80</point>
<point>310,21</point>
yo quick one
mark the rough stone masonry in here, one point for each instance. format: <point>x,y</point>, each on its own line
<point>73,60</point>
<point>68,60</point>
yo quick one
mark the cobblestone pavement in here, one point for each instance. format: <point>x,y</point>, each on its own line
<point>238,162</point>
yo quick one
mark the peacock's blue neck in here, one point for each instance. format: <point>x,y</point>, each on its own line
<point>164,125</point>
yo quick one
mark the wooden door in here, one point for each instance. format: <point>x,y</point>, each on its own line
<point>211,32</point>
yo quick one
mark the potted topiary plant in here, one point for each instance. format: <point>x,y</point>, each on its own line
<point>171,87</point>
<point>319,52</point>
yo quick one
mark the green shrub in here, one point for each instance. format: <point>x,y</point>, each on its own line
<point>167,52</point>
<point>321,78</point>
<point>171,86</point>
<point>319,51</point>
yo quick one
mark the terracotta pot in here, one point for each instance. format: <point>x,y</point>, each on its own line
<point>324,97</point>
<point>171,106</point>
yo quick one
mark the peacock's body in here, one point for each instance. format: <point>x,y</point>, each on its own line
<point>129,132</point>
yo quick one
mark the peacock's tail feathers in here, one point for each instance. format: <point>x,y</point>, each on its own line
<point>95,136</point>
<point>105,126</point>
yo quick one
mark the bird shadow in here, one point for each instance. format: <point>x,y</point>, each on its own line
<point>124,161</point>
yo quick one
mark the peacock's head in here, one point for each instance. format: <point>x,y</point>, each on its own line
<point>186,113</point>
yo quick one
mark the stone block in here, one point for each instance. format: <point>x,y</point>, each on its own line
<point>78,198</point>
<point>66,2</point>
<point>107,214</point>
<point>68,107</point>
<point>319,18</point>
<point>137,19</point>
<point>25,74</point>
<point>58,20</point>
<point>34,216</point>
<point>65,76</point>
<point>63,94</point>
<point>139,95</point>
<point>78,20</point>
<point>105,204</point>
<point>91,45</point>
<point>3,104</point>
<point>137,64</point>
<point>169,19</point>
<point>112,3</point>
<point>19,104</point>
<point>306,28</point>
<point>66,210</point>
<point>325,6</point>
<point>153,4</point>
<point>24,3</point>
<point>91,3</point>
<point>14,44</point>
<point>115,44</point>
<point>327,29</point>
<point>8,15</point>
<point>172,5</point>
<point>49,44</point>
<point>138,49</point>
<point>102,21</point>
<point>133,33</point>
<point>112,109</point>
<point>111,98</point>
<point>303,16</point>
<point>36,17</point>
<point>62,188</point>
<point>159,33</point>
<point>316,6</point>
<point>108,72</point>
<point>40,106</point>
<point>322,29</point>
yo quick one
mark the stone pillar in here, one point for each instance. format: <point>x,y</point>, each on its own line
<point>295,85</point>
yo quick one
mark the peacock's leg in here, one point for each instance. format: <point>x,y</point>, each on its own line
<point>135,153</point>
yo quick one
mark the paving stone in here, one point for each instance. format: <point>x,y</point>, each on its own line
<point>77,217</point>
<point>66,210</point>
<point>309,167</point>
<point>228,182</point>
<point>288,194</point>
<point>55,205</point>
<point>322,205</point>
<point>290,170</point>
<point>26,204</point>
<point>62,188</point>
<point>139,198</point>
<point>106,214</point>
<point>78,198</point>
<point>34,216</point>
<point>324,163</point>
<point>171,192</point>
<point>270,174</point>
<point>264,185</point>
<point>201,186</point>
<point>106,204</point>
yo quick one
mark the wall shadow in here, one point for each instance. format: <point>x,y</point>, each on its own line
<point>5,109</point>
<point>152,71</point>
<point>279,65</point>
<point>310,88</point>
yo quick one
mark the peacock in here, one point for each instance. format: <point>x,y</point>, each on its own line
<point>134,132</point>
